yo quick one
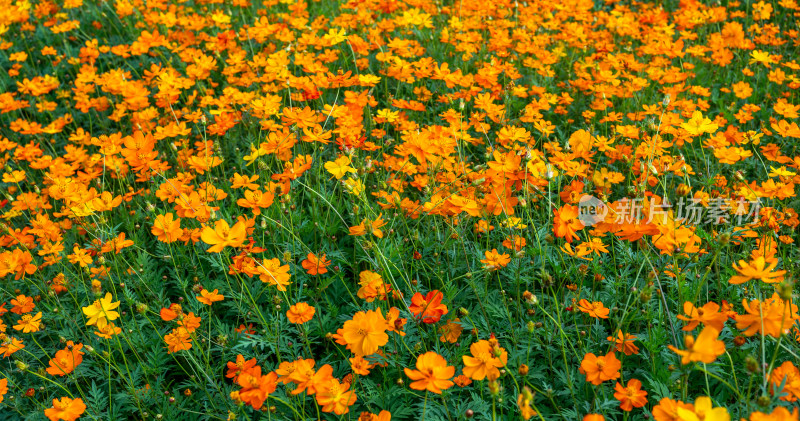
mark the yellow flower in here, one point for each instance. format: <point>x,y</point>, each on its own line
<point>698,125</point>
<point>703,411</point>
<point>335,36</point>
<point>354,186</point>
<point>340,167</point>
<point>101,311</point>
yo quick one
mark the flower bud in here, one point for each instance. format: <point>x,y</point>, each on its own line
<point>751,364</point>
<point>785,289</point>
<point>494,388</point>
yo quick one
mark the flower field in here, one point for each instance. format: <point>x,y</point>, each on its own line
<point>384,210</point>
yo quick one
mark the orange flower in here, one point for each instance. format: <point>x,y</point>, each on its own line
<point>705,349</point>
<point>272,272</point>
<point>566,223</point>
<point>594,417</point>
<point>667,410</point>
<point>462,381</point>
<point>300,313</point>
<point>107,331</point>
<point>486,360</point>
<point>28,323</point>
<point>495,260</point>
<point>524,403</point>
<point>366,332</point>
<point>451,331</point>
<point>429,308</point>
<point>394,322</point>
<point>66,360</point>
<point>630,396</point>
<point>22,304</point>
<point>167,229</point>
<point>514,242</point>
<point>65,409</point>
<point>624,343</point>
<point>3,388</point>
<point>178,340</point>
<point>58,284</point>
<point>309,380</point>
<point>80,256</point>
<point>778,414</point>
<point>10,346</point>
<point>757,269</point>
<point>235,369</point>
<point>599,369</point>
<point>315,265</point>
<point>372,286</point>
<point>594,309</point>
<point>255,387</point>
<point>482,227</point>
<point>432,373</point>
<point>256,200</point>
<point>223,235</point>
<point>209,298</point>
<point>334,397</point>
<point>773,316</point>
<point>382,416</point>
<point>170,313</point>
<point>288,371</point>
<point>787,375</point>
<point>709,315</point>
<point>190,322</point>
<point>374,227</point>
<point>359,365</point>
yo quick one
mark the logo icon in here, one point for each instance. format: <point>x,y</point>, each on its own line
<point>591,210</point>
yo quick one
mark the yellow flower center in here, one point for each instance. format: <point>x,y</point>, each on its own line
<point>484,357</point>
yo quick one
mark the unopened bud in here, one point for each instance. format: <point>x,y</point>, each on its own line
<point>494,388</point>
<point>785,289</point>
<point>751,364</point>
